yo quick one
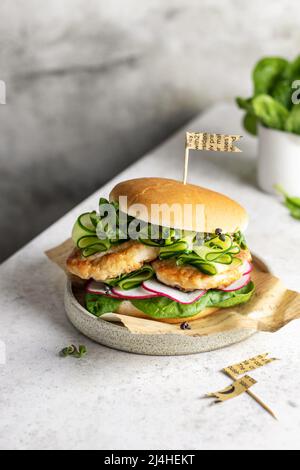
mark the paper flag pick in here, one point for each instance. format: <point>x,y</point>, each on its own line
<point>234,390</point>
<point>212,142</point>
<point>249,365</point>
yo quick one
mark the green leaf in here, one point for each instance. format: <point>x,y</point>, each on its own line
<point>103,201</point>
<point>295,214</point>
<point>295,211</point>
<point>250,120</point>
<point>74,352</point>
<point>266,73</point>
<point>100,304</point>
<point>271,113</point>
<point>231,299</point>
<point>240,239</point>
<point>293,120</point>
<point>162,307</point>
<point>244,103</point>
<point>250,123</point>
<point>291,200</point>
<point>293,70</point>
<point>292,203</point>
<point>282,92</point>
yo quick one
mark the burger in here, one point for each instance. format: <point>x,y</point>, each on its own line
<point>162,250</point>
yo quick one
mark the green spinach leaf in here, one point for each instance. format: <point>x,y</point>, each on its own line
<point>245,104</point>
<point>266,73</point>
<point>100,304</point>
<point>271,113</point>
<point>293,70</point>
<point>282,92</point>
<point>292,203</point>
<point>250,123</point>
<point>162,307</point>
<point>293,120</point>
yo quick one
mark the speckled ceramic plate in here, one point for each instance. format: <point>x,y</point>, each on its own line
<point>118,337</point>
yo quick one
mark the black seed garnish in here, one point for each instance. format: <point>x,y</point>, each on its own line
<point>185,326</point>
<point>222,238</point>
<point>219,231</point>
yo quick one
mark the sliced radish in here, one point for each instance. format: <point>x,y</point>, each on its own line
<point>246,268</point>
<point>174,294</point>
<point>138,293</point>
<point>237,284</point>
<point>99,288</point>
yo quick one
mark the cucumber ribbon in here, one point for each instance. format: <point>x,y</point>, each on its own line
<point>87,228</point>
<point>85,237</point>
<point>204,257</point>
<point>132,280</point>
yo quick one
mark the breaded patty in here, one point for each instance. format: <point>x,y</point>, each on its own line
<point>121,259</point>
<point>190,278</point>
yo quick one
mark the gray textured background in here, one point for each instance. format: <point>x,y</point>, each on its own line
<point>93,84</point>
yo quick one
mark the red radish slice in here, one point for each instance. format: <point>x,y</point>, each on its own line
<point>238,284</point>
<point>99,288</point>
<point>246,268</point>
<point>174,294</point>
<point>137,293</point>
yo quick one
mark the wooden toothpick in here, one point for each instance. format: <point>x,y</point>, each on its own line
<point>186,165</point>
<point>251,394</point>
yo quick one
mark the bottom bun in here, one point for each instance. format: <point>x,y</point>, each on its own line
<point>126,308</point>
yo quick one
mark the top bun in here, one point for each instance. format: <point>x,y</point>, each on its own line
<point>185,207</point>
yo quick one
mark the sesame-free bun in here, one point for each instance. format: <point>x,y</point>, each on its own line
<point>205,210</point>
<point>127,308</point>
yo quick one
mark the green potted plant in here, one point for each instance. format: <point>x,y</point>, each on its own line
<point>273,113</point>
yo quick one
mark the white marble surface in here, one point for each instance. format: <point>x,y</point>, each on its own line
<point>113,400</point>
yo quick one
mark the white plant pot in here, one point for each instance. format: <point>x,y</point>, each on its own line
<point>278,161</point>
